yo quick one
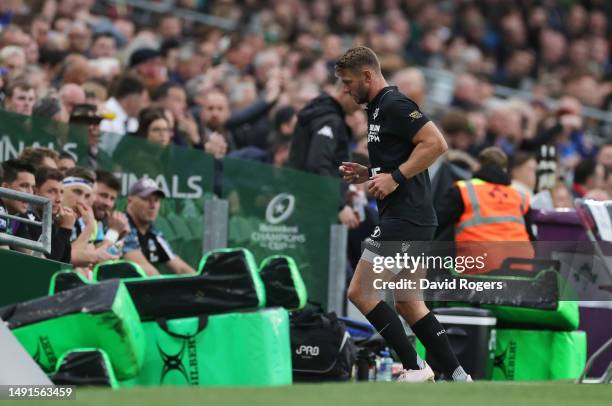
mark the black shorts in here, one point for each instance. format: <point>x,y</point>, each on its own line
<point>393,236</point>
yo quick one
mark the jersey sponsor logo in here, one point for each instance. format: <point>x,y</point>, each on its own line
<point>376,232</point>
<point>373,133</point>
<point>326,131</point>
<point>280,208</point>
<point>375,113</point>
<point>415,115</point>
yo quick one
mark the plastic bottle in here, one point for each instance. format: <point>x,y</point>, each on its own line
<point>386,364</point>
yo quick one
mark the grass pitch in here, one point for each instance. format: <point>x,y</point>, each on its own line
<point>375,393</point>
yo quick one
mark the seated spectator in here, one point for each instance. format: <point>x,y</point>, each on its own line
<point>18,176</point>
<point>114,225</point>
<point>40,157</point>
<point>49,185</point>
<point>145,244</point>
<point>588,176</point>
<point>20,97</point>
<point>146,157</point>
<point>523,172</point>
<point>129,96</point>
<point>65,161</point>
<point>87,114</point>
<point>79,194</point>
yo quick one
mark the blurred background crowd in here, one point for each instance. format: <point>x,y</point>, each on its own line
<point>533,77</point>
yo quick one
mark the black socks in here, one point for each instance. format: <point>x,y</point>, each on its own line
<point>389,326</point>
<point>434,338</point>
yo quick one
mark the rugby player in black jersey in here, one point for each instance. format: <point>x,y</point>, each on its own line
<point>402,144</point>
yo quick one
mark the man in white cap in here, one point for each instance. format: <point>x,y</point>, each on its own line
<point>145,244</point>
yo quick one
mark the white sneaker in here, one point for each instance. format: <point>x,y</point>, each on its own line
<point>417,375</point>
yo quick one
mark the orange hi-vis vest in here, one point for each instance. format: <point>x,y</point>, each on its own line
<point>492,213</point>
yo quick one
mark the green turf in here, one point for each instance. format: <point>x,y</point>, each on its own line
<point>480,393</point>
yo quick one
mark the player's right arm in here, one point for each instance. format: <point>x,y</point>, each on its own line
<point>354,173</point>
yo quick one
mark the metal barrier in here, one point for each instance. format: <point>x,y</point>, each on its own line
<point>44,243</point>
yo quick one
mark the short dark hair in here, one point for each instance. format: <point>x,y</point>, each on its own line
<point>13,167</point>
<point>80,172</point>
<point>103,34</point>
<point>162,91</point>
<point>147,116</point>
<point>584,170</point>
<point>66,155</point>
<point>44,174</point>
<point>127,85</point>
<point>493,156</point>
<point>519,158</point>
<point>20,82</point>
<point>35,156</point>
<point>108,179</point>
<point>358,57</point>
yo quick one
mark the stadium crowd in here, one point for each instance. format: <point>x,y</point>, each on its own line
<point>238,94</point>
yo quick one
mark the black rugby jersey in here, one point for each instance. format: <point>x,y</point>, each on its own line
<point>393,121</point>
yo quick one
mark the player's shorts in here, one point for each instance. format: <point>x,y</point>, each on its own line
<point>393,236</point>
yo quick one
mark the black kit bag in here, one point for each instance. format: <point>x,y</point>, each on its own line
<point>321,348</point>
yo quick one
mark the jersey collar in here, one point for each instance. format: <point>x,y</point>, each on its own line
<point>374,102</point>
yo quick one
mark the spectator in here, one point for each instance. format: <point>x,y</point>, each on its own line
<point>411,82</point>
<point>128,98</point>
<point>522,171</point>
<point>18,176</point>
<point>147,64</point>
<point>71,95</point>
<point>65,162</point>
<point>86,114</point>
<point>114,224</point>
<point>145,244</point>
<point>20,97</point>
<point>457,131</point>
<point>146,157</point>
<point>78,185</point>
<point>103,45</point>
<point>588,176</point>
<point>40,157</point>
<point>50,107</point>
<point>49,185</point>
<point>173,97</point>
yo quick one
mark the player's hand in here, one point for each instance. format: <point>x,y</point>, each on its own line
<point>86,213</point>
<point>382,185</point>
<point>101,253</point>
<point>348,217</point>
<point>353,172</point>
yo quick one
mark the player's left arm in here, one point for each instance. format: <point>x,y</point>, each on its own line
<point>429,145</point>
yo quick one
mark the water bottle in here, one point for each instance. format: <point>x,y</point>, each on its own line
<point>386,364</point>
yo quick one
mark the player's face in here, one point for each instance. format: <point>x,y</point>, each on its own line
<point>355,84</point>
<point>24,182</point>
<point>145,208</point>
<point>52,190</point>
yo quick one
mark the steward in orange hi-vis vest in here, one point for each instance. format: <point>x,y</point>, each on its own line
<point>492,223</point>
<point>489,217</point>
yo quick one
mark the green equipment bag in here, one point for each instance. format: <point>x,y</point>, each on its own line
<point>99,316</point>
<point>118,268</point>
<point>230,282</point>
<point>529,355</point>
<point>234,349</point>
<point>85,367</point>
<point>565,317</point>
<point>283,282</point>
